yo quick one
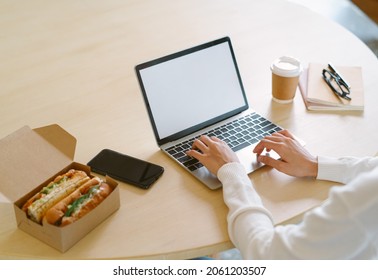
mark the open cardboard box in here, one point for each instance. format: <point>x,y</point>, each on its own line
<point>30,158</point>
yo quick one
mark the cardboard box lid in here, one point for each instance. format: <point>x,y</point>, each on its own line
<point>29,157</point>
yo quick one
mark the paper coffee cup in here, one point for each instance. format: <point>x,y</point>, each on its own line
<point>285,76</point>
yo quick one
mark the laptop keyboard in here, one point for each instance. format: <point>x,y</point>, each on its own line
<point>238,134</point>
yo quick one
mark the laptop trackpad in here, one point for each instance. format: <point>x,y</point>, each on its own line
<point>249,159</point>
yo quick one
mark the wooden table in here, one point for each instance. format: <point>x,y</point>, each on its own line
<point>72,63</point>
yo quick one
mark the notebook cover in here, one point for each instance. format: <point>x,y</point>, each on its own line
<point>319,96</point>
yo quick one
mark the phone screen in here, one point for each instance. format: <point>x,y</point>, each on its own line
<point>125,168</point>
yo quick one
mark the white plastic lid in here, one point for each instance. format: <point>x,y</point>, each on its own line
<point>286,66</point>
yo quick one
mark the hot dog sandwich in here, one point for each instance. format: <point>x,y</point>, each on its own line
<point>78,203</point>
<point>63,185</point>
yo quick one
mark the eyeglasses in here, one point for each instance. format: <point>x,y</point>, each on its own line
<point>338,85</point>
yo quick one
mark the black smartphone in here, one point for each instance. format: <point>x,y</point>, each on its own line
<point>125,168</point>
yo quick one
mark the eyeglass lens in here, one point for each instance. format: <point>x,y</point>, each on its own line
<point>336,86</point>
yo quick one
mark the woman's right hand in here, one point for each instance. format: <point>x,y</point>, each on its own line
<point>294,160</point>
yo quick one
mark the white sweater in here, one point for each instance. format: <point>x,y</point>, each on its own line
<point>345,226</point>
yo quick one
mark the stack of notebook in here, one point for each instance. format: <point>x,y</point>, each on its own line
<point>317,95</point>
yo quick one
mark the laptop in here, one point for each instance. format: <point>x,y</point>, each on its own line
<point>200,91</point>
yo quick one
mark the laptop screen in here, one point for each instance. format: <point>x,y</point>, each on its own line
<point>191,89</point>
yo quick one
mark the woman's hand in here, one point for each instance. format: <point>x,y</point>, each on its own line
<point>295,159</point>
<point>212,152</point>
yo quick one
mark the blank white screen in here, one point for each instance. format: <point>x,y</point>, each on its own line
<point>192,89</point>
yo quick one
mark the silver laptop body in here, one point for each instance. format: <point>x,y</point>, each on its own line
<point>199,91</point>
